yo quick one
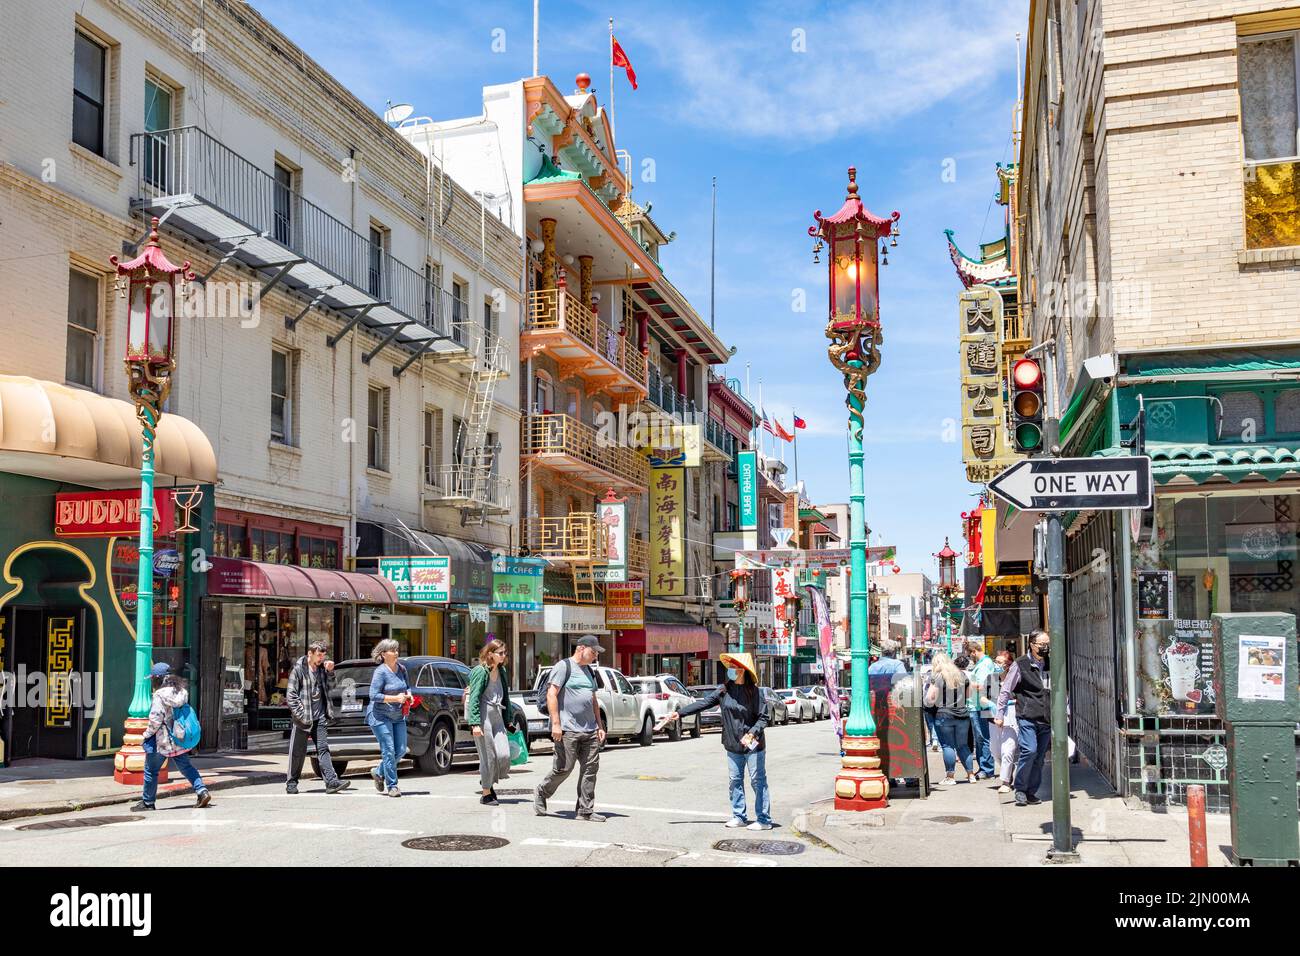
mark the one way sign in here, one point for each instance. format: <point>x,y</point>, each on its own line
<point>1076,484</point>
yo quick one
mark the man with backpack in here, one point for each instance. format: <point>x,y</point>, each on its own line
<point>309,708</point>
<point>172,732</point>
<point>569,700</point>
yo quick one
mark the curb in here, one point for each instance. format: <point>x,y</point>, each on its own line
<point>131,795</point>
<point>810,821</point>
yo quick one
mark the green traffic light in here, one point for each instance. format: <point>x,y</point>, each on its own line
<point>1028,437</point>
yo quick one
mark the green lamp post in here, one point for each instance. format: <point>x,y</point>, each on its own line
<point>850,238</point>
<point>153,287</point>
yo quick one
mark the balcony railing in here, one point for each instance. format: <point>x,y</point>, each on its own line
<point>557,310</point>
<point>665,396</point>
<point>574,537</point>
<point>471,486</point>
<point>574,442</point>
<point>638,557</point>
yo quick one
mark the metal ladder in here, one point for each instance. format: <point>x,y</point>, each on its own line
<point>474,477</point>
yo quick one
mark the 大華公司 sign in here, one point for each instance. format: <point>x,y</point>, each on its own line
<point>105,514</point>
<point>424,579</point>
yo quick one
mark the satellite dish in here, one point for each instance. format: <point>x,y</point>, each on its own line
<point>395,114</point>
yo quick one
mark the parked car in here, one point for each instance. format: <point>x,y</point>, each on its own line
<point>801,708</point>
<point>623,712</point>
<point>666,693</point>
<point>713,716</point>
<point>437,735</point>
<point>820,690</point>
<point>777,712</point>
<point>821,702</point>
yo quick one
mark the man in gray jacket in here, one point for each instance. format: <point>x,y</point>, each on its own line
<point>310,708</point>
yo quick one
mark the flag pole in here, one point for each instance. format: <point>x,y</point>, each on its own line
<point>536,18</point>
<point>794,428</point>
<point>761,443</point>
<point>713,246</point>
<point>611,80</point>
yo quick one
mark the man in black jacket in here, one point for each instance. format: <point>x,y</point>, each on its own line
<point>1029,679</point>
<point>309,709</point>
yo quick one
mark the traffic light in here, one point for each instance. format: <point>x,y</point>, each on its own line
<point>1027,407</point>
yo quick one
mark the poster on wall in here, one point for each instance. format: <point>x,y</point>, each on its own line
<point>1261,667</point>
<point>667,531</point>
<point>1155,595</point>
<point>1188,664</point>
<point>625,604</point>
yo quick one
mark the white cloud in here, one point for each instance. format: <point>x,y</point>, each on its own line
<point>865,66</point>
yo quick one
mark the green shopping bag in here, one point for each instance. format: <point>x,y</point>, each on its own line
<point>518,747</point>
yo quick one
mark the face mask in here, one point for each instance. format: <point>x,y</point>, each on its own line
<point>731,673</point>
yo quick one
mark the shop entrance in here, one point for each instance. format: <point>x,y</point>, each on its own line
<point>47,717</point>
<point>406,629</point>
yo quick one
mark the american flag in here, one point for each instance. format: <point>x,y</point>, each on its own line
<point>767,425</point>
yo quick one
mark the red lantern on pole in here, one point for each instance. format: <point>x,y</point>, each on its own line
<point>153,287</point>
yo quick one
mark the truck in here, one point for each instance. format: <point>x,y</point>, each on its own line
<point>624,714</point>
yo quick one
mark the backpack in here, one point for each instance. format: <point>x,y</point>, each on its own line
<point>543,692</point>
<point>185,729</point>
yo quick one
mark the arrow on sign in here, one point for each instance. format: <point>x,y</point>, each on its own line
<point>1076,484</point>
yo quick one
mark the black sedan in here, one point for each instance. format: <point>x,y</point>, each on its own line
<point>437,735</point>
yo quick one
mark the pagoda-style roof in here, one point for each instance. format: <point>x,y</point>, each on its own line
<point>853,210</point>
<point>550,173</point>
<point>993,267</point>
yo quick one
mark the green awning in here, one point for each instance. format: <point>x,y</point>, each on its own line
<point>1213,363</point>
<point>1201,463</point>
<point>811,514</point>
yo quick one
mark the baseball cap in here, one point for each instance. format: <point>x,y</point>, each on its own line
<point>590,640</point>
<point>161,669</point>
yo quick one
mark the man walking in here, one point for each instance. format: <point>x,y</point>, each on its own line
<point>981,706</point>
<point>310,708</point>
<point>575,728</point>
<point>1029,681</point>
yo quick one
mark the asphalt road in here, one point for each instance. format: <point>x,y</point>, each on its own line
<point>666,805</point>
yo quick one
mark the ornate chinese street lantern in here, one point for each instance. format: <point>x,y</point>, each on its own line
<point>740,599</point>
<point>153,288</point>
<point>851,238</point>
<point>948,586</point>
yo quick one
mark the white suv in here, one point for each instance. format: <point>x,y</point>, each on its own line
<point>623,712</point>
<point>665,694</point>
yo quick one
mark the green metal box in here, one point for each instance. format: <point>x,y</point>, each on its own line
<point>1255,673</point>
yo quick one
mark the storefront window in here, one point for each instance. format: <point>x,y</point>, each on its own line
<point>168,587</point>
<point>1210,553</point>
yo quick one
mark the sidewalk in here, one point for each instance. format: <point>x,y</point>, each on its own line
<point>38,786</point>
<point>971,824</point>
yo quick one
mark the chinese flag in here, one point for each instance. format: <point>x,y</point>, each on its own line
<point>620,59</point>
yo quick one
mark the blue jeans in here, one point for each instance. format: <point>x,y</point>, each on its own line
<point>153,762</point>
<point>756,763</point>
<point>391,735</point>
<point>983,748</point>
<point>929,725</point>
<point>1034,739</point>
<point>952,737</point>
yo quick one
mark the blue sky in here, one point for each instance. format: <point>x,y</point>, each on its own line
<point>895,87</point>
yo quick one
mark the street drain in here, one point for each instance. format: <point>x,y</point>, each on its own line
<point>456,842</point>
<point>951,819</point>
<point>760,847</point>
<point>73,823</point>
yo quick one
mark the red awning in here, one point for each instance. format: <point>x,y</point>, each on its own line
<point>664,639</point>
<point>259,579</point>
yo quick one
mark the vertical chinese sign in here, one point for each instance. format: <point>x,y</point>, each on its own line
<point>612,512</point>
<point>667,532</point>
<point>747,480</point>
<point>983,437</point>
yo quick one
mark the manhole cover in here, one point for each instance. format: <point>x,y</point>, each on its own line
<point>760,847</point>
<point>456,842</point>
<point>73,823</point>
<point>952,819</point>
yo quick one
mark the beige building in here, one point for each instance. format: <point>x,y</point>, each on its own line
<point>349,350</point>
<point>1160,231</point>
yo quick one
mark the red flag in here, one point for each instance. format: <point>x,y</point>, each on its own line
<point>620,59</point>
<point>799,422</point>
<point>781,433</point>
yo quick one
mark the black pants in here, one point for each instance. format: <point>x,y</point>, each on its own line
<point>298,751</point>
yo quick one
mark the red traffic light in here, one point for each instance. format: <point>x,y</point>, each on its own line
<point>1026,373</point>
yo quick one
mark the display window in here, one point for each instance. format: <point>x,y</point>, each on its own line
<point>168,586</point>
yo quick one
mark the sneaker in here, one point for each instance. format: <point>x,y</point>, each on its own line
<point>1033,799</point>
<point>947,782</point>
<point>378,778</point>
<point>204,799</point>
<point>1022,799</point>
<point>1004,789</point>
<point>489,800</point>
<point>539,803</point>
<point>394,792</point>
<point>592,817</point>
<point>141,807</point>
<point>934,748</point>
<point>291,789</point>
<point>337,786</point>
<point>735,823</point>
<point>759,825</point>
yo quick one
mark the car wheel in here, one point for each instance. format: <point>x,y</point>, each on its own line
<point>339,767</point>
<point>695,729</point>
<point>647,735</point>
<point>442,744</point>
<point>675,730</point>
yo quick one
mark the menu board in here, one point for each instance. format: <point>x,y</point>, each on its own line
<point>1155,595</point>
<point>1188,665</point>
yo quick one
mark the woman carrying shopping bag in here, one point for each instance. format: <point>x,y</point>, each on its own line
<point>486,703</point>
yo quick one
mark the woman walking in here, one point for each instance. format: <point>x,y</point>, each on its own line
<point>160,743</point>
<point>1005,744</point>
<point>488,700</point>
<point>389,690</point>
<point>744,716</point>
<point>947,692</point>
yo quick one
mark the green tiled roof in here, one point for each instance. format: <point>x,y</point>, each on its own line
<point>550,173</point>
<point>1233,463</point>
<point>1214,363</point>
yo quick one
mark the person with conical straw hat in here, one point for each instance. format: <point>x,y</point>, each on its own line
<point>744,717</point>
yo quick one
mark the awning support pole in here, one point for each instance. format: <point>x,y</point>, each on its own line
<point>394,329</point>
<point>333,340</point>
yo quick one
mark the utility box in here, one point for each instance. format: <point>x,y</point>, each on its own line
<point>1257,698</point>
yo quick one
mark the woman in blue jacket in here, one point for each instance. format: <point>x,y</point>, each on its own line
<point>389,690</point>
